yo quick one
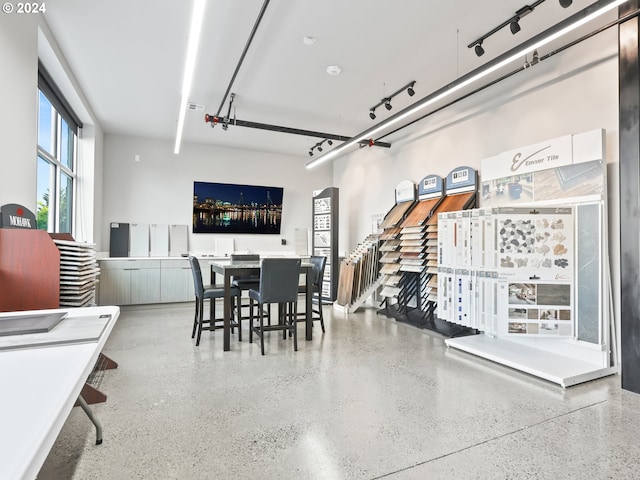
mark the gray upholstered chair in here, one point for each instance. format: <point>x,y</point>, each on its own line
<point>211,292</point>
<point>278,284</point>
<point>318,264</point>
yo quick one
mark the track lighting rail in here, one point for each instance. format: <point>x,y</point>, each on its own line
<point>513,23</point>
<point>386,101</point>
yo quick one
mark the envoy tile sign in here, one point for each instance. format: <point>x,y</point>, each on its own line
<point>540,156</point>
<point>13,215</point>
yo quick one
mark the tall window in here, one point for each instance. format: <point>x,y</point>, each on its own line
<point>57,146</point>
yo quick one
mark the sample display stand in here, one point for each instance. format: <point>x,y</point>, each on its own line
<point>359,277</point>
<point>418,252</point>
<point>392,280</point>
<point>325,238</point>
<point>551,313</point>
<point>79,272</point>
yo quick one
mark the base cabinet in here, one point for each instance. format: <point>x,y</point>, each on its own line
<point>176,281</point>
<point>144,281</point>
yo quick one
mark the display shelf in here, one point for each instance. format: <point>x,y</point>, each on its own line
<point>325,238</point>
<point>563,370</point>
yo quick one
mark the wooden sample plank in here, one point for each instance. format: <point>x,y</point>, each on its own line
<point>396,214</point>
<point>420,213</point>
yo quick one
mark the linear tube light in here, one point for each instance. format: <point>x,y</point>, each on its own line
<point>190,65</point>
<point>586,15</point>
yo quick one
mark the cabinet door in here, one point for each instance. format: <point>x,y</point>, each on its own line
<point>145,285</point>
<point>176,284</point>
<point>115,287</point>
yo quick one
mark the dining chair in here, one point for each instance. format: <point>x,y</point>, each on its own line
<point>318,264</point>
<point>278,284</point>
<point>211,292</point>
<point>245,282</point>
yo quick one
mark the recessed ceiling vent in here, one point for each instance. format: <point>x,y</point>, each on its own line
<point>195,107</point>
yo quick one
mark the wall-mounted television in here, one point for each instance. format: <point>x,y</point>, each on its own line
<point>232,208</point>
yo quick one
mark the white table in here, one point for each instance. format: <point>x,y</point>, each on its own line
<point>39,385</point>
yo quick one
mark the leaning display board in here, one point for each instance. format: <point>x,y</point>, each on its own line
<point>325,238</point>
<point>539,293</point>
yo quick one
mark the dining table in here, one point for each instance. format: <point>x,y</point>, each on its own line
<point>229,269</point>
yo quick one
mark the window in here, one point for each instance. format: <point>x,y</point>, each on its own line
<point>56,163</point>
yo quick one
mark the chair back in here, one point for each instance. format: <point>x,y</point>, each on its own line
<point>279,280</point>
<point>317,268</point>
<point>245,257</point>
<point>198,286</point>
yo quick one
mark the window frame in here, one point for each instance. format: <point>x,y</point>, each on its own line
<point>62,116</point>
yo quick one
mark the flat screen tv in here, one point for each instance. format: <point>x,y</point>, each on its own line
<point>231,208</point>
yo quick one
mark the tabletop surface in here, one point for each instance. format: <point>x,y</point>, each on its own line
<point>40,384</point>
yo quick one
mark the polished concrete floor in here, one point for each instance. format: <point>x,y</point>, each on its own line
<point>371,398</point>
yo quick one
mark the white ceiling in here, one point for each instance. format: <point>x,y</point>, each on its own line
<point>128,57</point>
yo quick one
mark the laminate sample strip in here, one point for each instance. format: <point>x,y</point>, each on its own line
<point>420,213</point>
<point>396,214</point>
<point>452,203</point>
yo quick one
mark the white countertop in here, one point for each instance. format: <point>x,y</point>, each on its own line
<point>40,385</point>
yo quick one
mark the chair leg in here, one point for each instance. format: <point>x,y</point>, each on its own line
<point>236,301</point>
<point>261,330</point>
<point>320,312</point>
<point>201,306</point>
<point>283,318</point>
<point>251,321</point>
<point>294,320</point>
<point>195,320</point>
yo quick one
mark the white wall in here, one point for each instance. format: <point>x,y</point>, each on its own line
<point>18,98</point>
<point>572,92</point>
<point>159,188</point>
<point>23,39</point>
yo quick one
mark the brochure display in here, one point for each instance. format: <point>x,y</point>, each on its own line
<point>529,269</point>
<point>325,238</point>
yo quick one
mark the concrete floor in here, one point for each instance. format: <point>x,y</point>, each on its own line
<point>371,398</point>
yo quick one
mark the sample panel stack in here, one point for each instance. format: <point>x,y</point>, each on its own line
<point>79,273</point>
<point>414,241</point>
<point>391,277</point>
<point>358,271</point>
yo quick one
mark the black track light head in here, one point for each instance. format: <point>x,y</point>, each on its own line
<point>479,50</point>
<point>387,104</point>
<point>310,153</point>
<point>514,26</point>
<point>319,148</point>
<point>411,91</point>
<point>565,3</point>
<point>330,142</point>
<point>372,114</point>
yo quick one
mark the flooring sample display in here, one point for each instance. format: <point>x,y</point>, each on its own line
<point>359,271</point>
<point>79,271</point>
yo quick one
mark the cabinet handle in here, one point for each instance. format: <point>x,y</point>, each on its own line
<point>131,269</point>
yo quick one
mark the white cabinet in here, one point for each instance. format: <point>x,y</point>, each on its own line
<point>176,281</point>
<point>129,282</point>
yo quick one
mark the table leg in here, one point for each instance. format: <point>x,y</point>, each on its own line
<point>227,311</point>
<point>309,313</point>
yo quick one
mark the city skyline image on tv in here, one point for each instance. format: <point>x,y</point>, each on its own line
<point>233,208</point>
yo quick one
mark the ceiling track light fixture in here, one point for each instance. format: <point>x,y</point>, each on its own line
<point>513,22</point>
<point>566,3</point>
<point>386,101</point>
<point>514,26</point>
<point>560,29</point>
